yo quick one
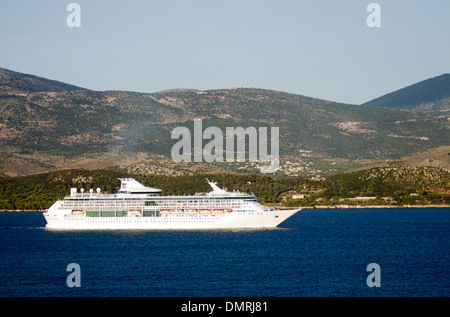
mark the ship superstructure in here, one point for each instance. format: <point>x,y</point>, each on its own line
<point>136,206</point>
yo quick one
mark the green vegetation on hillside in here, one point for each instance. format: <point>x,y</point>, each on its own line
<point>40,117</point>
<point>387,186</point>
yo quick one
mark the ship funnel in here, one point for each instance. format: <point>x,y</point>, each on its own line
<point>215,189</point>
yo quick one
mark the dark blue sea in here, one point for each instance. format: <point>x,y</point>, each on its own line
<point>316,253</point>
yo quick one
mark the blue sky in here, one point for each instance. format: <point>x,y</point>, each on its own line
<point>321,49</point>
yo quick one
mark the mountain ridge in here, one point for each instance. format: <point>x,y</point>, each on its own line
<point>21,81</point>
<point>429,96</point>
<point>45,130</point>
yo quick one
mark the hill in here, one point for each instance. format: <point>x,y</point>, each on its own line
<point>43,130</point>
<point>401,185</point>
<point>387,181</point>
<point>429,96</point>
<point>435,157</point>
<point>19,81</point>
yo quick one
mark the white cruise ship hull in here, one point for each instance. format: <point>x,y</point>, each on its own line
<point>138,207</point>
<point>231,220</point>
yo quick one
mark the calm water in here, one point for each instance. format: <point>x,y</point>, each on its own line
<point>315,253</point>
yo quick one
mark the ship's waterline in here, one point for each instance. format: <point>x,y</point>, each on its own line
<point>138,207</point>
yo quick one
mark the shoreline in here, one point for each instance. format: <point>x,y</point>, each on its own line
<point>375,206</point>
<point>309,207</point>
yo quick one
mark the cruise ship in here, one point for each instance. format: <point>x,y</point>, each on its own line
<point>137,207</point>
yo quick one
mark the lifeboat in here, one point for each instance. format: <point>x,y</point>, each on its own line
<point>134,213</point>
